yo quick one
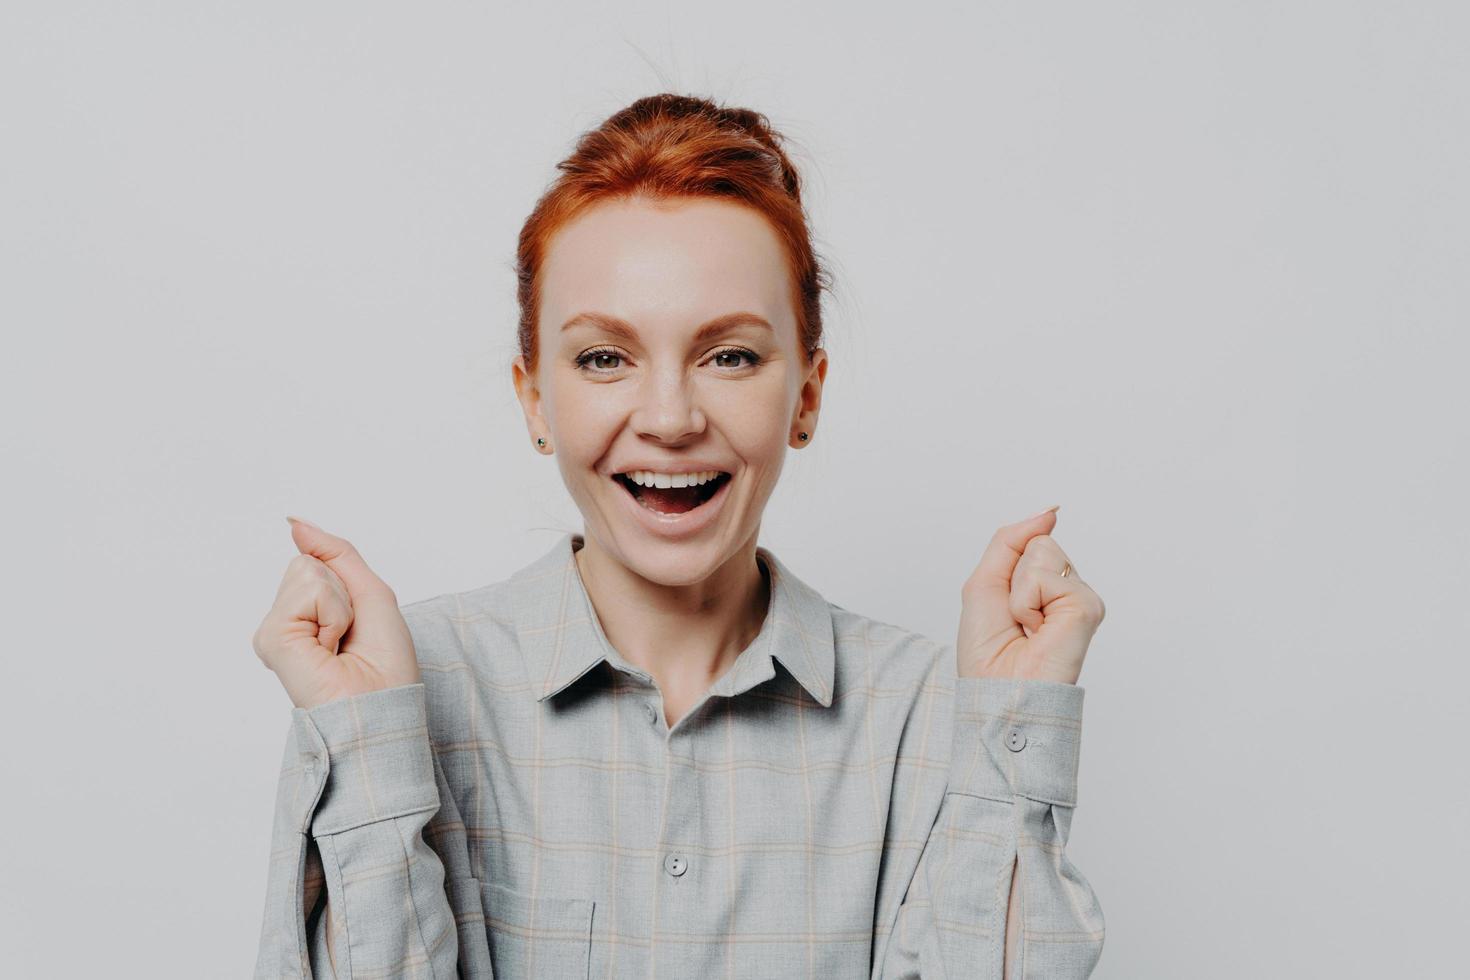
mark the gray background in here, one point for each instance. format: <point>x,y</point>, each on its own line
<point>1196,272</point>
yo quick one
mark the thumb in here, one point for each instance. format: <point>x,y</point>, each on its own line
<point>987,591</point>
<point>341,557</point>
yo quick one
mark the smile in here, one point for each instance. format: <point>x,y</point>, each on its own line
<point>671,496</point>
<point>670,512</point>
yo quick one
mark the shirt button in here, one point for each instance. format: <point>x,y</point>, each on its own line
<point>675,865</point>
<point>1015,741</point>
<point>650,711</point>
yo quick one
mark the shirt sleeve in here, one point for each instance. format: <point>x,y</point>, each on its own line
<point>1009,801</point>
<point>362,793</point>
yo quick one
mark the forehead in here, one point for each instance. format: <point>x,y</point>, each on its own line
<point>666,265</point>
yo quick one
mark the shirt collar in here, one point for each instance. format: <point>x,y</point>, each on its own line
<point>562,639</point>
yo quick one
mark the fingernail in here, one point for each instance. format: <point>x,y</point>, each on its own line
<point>300,520</point>
<point>1047,511</point>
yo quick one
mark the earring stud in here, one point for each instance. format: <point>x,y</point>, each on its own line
<point>541,442</point>
<point>802,437</point>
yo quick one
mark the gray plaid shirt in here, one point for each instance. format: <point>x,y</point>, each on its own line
<point>525,811</point>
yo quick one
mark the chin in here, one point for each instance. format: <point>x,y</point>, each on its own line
<point>671,563</point>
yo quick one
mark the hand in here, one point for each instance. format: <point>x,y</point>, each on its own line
<point>1020,617</point>
<point>335,628</point>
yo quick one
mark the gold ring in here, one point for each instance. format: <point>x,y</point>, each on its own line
<point>1067,571</point>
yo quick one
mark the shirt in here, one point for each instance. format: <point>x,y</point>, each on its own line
<point>839,804</point>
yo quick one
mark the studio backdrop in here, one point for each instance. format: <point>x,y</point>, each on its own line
<point>1195,272</point>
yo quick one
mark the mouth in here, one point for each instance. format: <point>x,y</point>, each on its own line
<point>672,500</point>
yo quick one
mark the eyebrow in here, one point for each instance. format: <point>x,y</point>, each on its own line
<point>624,329</point>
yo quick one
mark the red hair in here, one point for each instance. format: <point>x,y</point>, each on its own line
<point>665,147</point>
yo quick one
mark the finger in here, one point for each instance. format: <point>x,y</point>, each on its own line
<point>334,581</point>
<point>1032,590</point>
<point>988,589</point>
<point>313,602</point>
<point>341,557</point>
<point>334,613</point>
<point>1038,581</point>
<point>1043,552</point>
<point>306,572</point>
<point>310,598</point>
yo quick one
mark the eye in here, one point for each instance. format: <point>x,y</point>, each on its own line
<point>752,356</point>
<point>595,361</point>
<point>597,354</point>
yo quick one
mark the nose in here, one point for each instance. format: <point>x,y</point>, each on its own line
<point>668,408</point>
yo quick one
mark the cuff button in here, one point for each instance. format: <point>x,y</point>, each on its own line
<point>1015,741</point>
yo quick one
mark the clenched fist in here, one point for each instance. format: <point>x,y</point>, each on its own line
<point>1022,618</point>
<point>334,629</point>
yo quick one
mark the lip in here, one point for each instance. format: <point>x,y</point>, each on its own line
<point>676,526</point>
<point>680,468</point>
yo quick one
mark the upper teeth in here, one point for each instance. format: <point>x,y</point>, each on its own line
<point>648,478</point>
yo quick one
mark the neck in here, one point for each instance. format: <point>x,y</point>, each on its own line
<point>684,636</point>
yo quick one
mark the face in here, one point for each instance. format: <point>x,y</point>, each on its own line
<point>668,342</point>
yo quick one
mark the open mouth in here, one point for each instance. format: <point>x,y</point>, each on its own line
<point>672,500</point>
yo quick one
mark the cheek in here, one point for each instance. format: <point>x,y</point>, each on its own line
<point>756,430</point>
<point>581,415</point>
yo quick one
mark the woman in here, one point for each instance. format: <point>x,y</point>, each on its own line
<point>655,751</point>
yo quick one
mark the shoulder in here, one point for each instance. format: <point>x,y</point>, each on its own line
<point>897,683</point>
<point>882,654</point>
<point>468,649</point>
<point>460,627</point>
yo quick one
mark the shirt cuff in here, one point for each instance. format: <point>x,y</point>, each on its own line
<point>373,754</point>
<point>1016,738</point>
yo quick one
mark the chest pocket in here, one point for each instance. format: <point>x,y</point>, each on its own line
<point>546,937</point>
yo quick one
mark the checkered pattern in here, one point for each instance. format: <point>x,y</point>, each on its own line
<point>526,812</point>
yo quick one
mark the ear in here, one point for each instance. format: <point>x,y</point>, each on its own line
<point>809,400</point>
<point>529,396</point>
